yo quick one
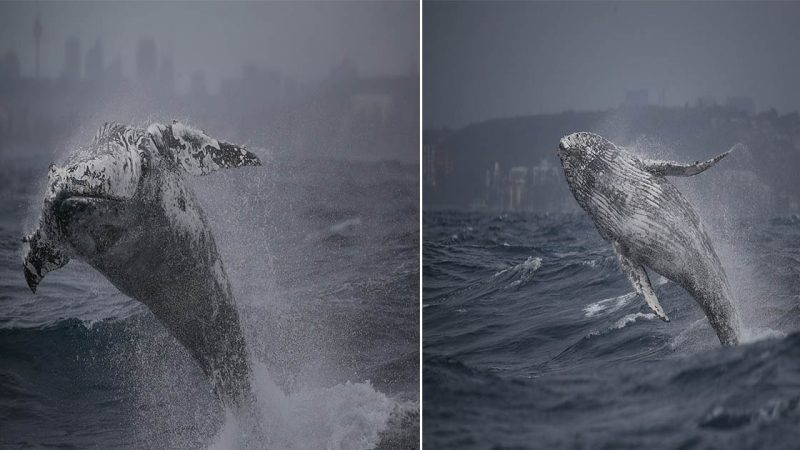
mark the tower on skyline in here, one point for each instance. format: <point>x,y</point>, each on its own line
<point>37,35</point>
<point>146,61</point>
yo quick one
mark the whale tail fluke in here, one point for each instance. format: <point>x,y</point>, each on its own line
<point>676,169</point>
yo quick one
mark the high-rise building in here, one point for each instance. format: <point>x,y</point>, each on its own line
<point>517,180</point>
<point>166,75</point>
<point>741,104</point>
<point>198,86</point>
<point>37,35</point>
<point>637,98</point>
<point>72,59</point>
<point>9,66</point>
<point>146,62</point>
<point>94,62</point>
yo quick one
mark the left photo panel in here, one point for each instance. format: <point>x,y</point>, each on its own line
<point>210,225</point>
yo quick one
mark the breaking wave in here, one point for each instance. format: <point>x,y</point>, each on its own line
<point>571,358</point>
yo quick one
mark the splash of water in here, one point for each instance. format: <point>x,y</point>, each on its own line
<point>613,304</point>
<point>345,416</point>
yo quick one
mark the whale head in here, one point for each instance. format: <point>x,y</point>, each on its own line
<point>577,150</point>
<point>85,203</point>
<point>96,203</point>
<point>580,154</point>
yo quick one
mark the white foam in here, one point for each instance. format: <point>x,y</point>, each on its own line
<point>759,334</point>
<point>345,225</point>
<point>345,416</point>
<point>631,318</point>
<point>591,262</point>
<point>343,228</point>
<point>524,270</point>
<point>623,322</point>
<point>610,305</point>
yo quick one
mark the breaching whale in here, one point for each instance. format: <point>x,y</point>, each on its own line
<point>650,224</point>
<point>121,205</point>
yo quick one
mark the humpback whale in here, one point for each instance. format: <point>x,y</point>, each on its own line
<point>121,205</point>
<point>650,224</point>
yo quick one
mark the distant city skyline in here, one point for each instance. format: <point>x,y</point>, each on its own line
<point>216,39</point>
<point>485,60</point>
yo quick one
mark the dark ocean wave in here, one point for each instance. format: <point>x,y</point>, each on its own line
<point>545,345</point>
<point>323,260</point>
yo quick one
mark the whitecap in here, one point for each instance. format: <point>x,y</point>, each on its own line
<point>523,271</point>
<point>344,416</point>
<point>608,305</point>
<point>623,322</point>
<point>631,318</point>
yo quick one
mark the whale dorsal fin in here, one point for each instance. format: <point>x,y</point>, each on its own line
<point>197,153</point>
<point>675,169</point>
<point>641,283</point>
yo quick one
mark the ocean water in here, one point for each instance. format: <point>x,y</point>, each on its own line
<point>323,260</point>
<point>534,339</point>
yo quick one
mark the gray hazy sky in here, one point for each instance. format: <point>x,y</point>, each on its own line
<point>484,60</point>
<point>301,39</point>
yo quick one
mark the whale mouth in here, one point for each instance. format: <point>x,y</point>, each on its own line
<point>71,201</point>
<point>83,198</point>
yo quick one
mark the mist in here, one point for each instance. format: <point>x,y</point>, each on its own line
<point>318,244</point>
<point>302,40</point>
<point>488,60</point>
<point>326,79</point>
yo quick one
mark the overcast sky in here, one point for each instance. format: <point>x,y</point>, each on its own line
<point>484,60</point>
<point>302,39</point>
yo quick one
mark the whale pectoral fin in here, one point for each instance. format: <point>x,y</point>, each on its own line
<point>675,169</point>
<point>197,153</point>
<point>640,281</point>
<point>43,256</point>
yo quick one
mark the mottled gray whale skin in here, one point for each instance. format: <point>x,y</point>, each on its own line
<point>650,224</point>
<point>122,206</point>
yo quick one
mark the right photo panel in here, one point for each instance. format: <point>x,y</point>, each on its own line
<point>611,225</point>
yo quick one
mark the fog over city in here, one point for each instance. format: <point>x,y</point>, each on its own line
<point>318,224</point>
<point>329,79</point>
<point>504,81</point>
<point>302,40</point>
<point>547,57</point>
<point>565,190</point>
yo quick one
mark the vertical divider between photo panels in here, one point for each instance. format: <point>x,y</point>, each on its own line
<point>419,298</point>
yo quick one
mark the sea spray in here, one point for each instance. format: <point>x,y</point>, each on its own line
<point>316,313</point>
<point>345,416</point>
